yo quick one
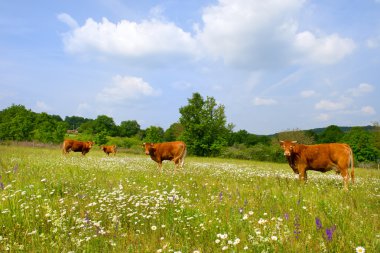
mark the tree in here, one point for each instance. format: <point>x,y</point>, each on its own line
<point>174,132</point>
<point>300,136</point>
<point>204,121</point>
<point>74,122</point>
<point>362,143</point>
<point>331,134</point>
<point>129,128</point>
<point>49,128</point>
<point>154,134</point>
<point>104,124</point>
<point>16,123</point>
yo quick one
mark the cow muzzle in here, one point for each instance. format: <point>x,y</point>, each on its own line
<point>287,153</point>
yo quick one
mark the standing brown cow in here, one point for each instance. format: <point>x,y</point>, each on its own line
<point>109,149</point>
<point>320,157</point>
<point>76,146</point>
<point>173,151</point>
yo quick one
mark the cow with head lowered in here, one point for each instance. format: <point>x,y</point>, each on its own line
<point>173,151</point>
<point>111,149</point>
<point>76,146</point>
<point>319,157</point>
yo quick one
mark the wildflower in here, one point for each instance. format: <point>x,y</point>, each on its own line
<point>225,247</point>
<point>274,238</point>
<point>245,216</point>
<point>153,227</point>
<point>318,223</point>
<point>43,180</point>
<point>196,251</point>
<point>329,233</point>
<point>360,249</point>
<point>237,241</point>
<point>262,221</point>
<point>217,241</point>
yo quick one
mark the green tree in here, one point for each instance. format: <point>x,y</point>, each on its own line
<point>129,128</point>
<point>331,134</point>
<point>101,138</point>
<point>102,123</point>
<point>16,123</point>
<point>362,143</point>
<point>154,134</point>
<point>49,128</point>
<point>74,122</point>
<point>174,132</point>
<point>300,136</point>
<point>204,121</point>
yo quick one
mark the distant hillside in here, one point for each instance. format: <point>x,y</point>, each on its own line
<point>343,128</point>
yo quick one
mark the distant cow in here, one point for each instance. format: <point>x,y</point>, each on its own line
<point>173,151</point>
<point>76,146</point>
<point>109,149</point>
<point>320,157</point>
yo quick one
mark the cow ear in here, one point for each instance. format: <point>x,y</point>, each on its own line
<point>282,142</point>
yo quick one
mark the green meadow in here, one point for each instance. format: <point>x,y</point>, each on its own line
<point>55,203</point>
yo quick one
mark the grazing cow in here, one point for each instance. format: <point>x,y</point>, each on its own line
<point>173,151</point>
<point>109,149</point>
<point>320,157</point>
<point>76,146</point>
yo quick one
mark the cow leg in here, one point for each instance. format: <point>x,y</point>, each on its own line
<point>302,174</point>
<point>160,167</point>
<point>346,178</point>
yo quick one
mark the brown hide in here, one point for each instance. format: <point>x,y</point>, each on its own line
<point>320,157</point>
<point>76,146</point>
<point>109,149</point>
<point>173,151</point>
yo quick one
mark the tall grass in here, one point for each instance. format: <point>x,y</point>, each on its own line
<point>55,203</point>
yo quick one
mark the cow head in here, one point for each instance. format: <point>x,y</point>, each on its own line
<point>149,148</point>
<point>288,147</point>
<point>90,144</point>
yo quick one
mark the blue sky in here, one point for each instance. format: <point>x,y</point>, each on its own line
<point>275,65</point>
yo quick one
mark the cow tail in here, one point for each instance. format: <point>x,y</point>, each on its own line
<point>183,155</point>
<point>64,148</point>
<point>352,166</point>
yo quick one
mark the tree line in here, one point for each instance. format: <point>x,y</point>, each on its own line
<point>202,125</point>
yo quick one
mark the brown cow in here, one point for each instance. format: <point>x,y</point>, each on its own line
<point>76,146</point>
<point>109,149</point>
<point>320,157</point>
<point>173,151</point>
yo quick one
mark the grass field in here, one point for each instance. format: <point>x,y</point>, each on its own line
<point>55,203</point>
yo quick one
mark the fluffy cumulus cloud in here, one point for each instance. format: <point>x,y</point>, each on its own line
<point>362,89</point>
<point>128,39</point>
<point>329,105</point>
<point>324,50</point>
<point>126,88</point>
<point>308,93</point>
<point>258,101</point>
<point>242,33</point>
<point>369,110</point>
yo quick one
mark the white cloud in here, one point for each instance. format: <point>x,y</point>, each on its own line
<point>323,50</point>
<point>42,106</point>
<point>125,88</point>
<point>308,93</point>
<point>330,105</point>
<point>323,117</point>
<point>68,20</point>
<point>362,89</point>
<point>129,39</point>
<point>369,110</point>
<point>264,101</point>
<point>246,33</point>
